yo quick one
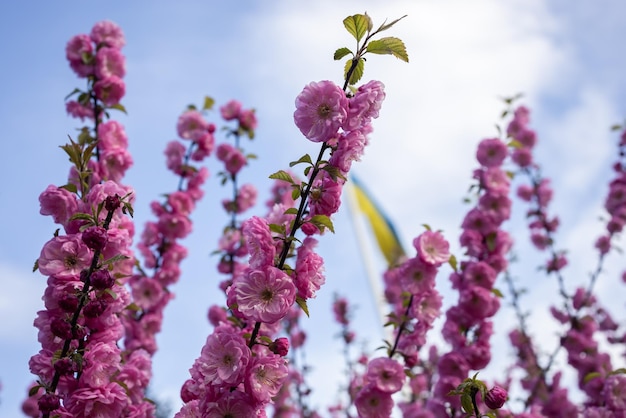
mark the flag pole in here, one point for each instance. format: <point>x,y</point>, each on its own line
<point>366,255</point>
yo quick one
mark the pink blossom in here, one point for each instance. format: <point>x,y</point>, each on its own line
<point>264,295</point>
<point>107,33</point>
<point>174,226</point>
<point>432,248</point>
<point>116,162</point>
<point>106,401</point>
<point>522,157</point>
<point>247,120</point>
<point>309,269</point>
<point>79,52</point>
<point>365,105</point>
<point>79,110</point>
<point>231,404</point>
<point>174,153</point>
<point>232,158</point>
<point>265,377</point>
<point>491,152</point>
<point>191,125</point>
<point>321,109</point>
<point>385,374</point>
<point>181,203</point>
<point>224,358</point>
<point>259,241</point>
<point>325,197</point>
<point>479,273</point>
<point>349,148</point>
<point>59,203</point>
<point>110,90</point>
<point>370,402</point>
<point>111,135</point>
<point>417,276</point>
<point>64,257</point>
<point>231,110</point>
<point>246,198</point>
<point>110,62</point>
<point>102,360</point>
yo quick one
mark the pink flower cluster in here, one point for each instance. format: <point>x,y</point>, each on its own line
<point>98,58</point>
<point>410,289</point>
<point>468,327</point>
<point>80,365</point>
<point>160,240</point>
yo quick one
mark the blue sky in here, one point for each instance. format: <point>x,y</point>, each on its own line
<point>565,56</point>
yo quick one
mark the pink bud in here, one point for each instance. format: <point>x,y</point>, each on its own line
<point>280,346</point>
<point>496,397</point>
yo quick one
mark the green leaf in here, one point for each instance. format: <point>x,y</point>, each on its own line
<point>323,220</point>
<point>302,304</point>
<point>111,293</point>
<point>278,229</point>
<point>282,175</point>
<point>115,259</point>
<point>84,216</point>
<point>386,26</point>
<point>70,187</point>
<point>334,172</point>
<point>36,265</point>
<point>497,292</point>
<point>357,25</point>
<point>613,128</point>
<point>33,391</point>
<point>619,371</point>
<point>76,90</point>
<point>291,211</point>
<point>208,103</point>
<point>341,52</point>
<point>295,193</point>
<point>306,158</point>
<point>466,403</point>
<point>389,46</point>
<point>357,73</point>
<point>453,263</point>
<point>119,107</point>
<point>427,227</point>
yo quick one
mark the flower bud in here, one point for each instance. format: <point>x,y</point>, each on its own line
<point>48,403</point>
<point>102,279</point>
<point>95,237</point>
<point>112,203</point>
<point>280,346</point>
<point>496,397</point>
<point>61,328</point>
<point>94,308</point>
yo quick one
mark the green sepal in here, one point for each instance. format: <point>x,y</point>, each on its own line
<point>357,25</point>
<point>302,304</point>
<point>282,175</point>
<point>341,52</point>
<point>389,46</point>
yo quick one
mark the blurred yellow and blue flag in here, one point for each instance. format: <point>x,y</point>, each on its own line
<point>384,231</point>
